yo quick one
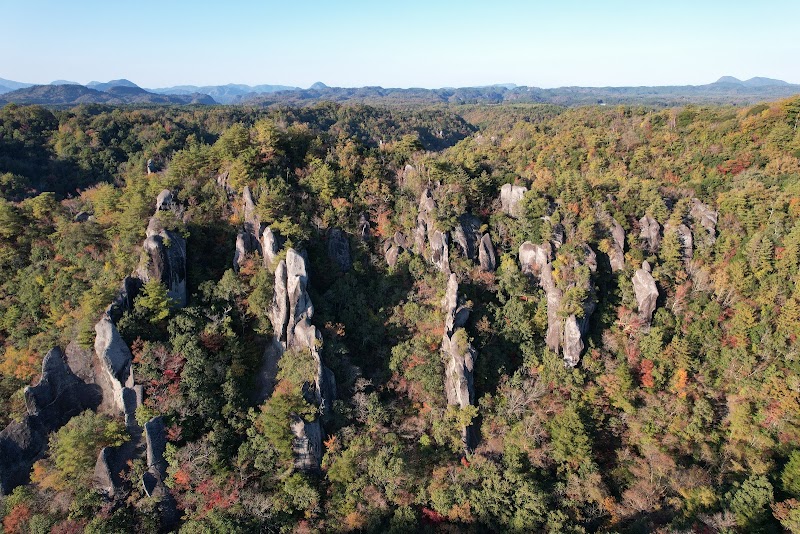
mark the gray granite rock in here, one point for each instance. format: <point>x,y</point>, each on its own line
<point>50,404</point>
<point>486,254</point>
<point>650,233</point>
<point>164,200</point>
<point>467,235</point>
<point>510,197</point>
<point>644,287</point>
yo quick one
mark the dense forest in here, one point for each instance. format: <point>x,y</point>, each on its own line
<point>348,318</point>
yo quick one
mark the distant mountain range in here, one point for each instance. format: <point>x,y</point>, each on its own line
<point>727,89</point>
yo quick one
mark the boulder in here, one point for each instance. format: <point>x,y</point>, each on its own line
<point>573,341</point>
<point>650,233</point>
<point>339,250</point>
<point>510,197</point>
<point>50,404</point>
<point>644,287</point>
<point>82,216</point>
<point>486,254</point>
<point>392,253</point>
<point>164,200</point>
<point>467,235</point>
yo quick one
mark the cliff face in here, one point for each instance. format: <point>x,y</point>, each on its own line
<point>50,404</point>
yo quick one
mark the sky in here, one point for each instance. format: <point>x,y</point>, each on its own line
<point>401,43</point>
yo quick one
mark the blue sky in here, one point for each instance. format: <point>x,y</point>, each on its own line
<point>409,43</point>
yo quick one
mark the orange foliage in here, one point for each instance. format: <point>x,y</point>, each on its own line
<point>22,364</point>
<point>681,377</point>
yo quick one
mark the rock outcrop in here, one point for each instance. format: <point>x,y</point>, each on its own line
<point>564,335</point>
<point>291,315</point>
<point>339,250</point>
<point>467,235</point>
<point>510,197</point>
<point>486,254</point>
<point>459,357</point>
<point>270,245</point>
<point>616,254</point>
<point>50,404</point>
<point>706,218</point>
<point>164,259</point>
<point>393,247</point>
<point>650,233</point>
<point>248,240</point>
<point>164,200</point>
<point>644,286</point>
<point>427,234</point>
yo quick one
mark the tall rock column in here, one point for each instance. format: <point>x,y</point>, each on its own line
<point>459,356</point>
<point>291,315</point>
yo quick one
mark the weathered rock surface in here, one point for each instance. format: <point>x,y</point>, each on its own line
<point>306,444</point>
<point>650,233</point>
<point>115,359</point>
<point>164,200</point>
<point>252,223</point>
<point>616,254</point>
<point>563,335</point>
<point>426,233</point>
<point>459,356</point>
<point>467,235</point>
<point>291,315</point>
<point>393,247</point>
<point>339,250</point>
<point>153,478</point>
<point>82,216</point>
<point>644,287</point>
<point>486,255</point>
<point>164,259</point>
<point>59,396</point>
<point>271,245</point>
<point>706,218</point>
<point>440,252</point>
<point>510,197</point>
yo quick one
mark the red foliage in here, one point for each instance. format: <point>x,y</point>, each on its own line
<point>16,520</point>
<point>646,371</point>
<point>431,516</point>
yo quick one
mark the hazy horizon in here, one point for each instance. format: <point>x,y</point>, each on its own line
<point>416,44</point>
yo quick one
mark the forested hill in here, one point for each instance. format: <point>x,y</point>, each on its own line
<point>726,90</point>
<point>346,318</point>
